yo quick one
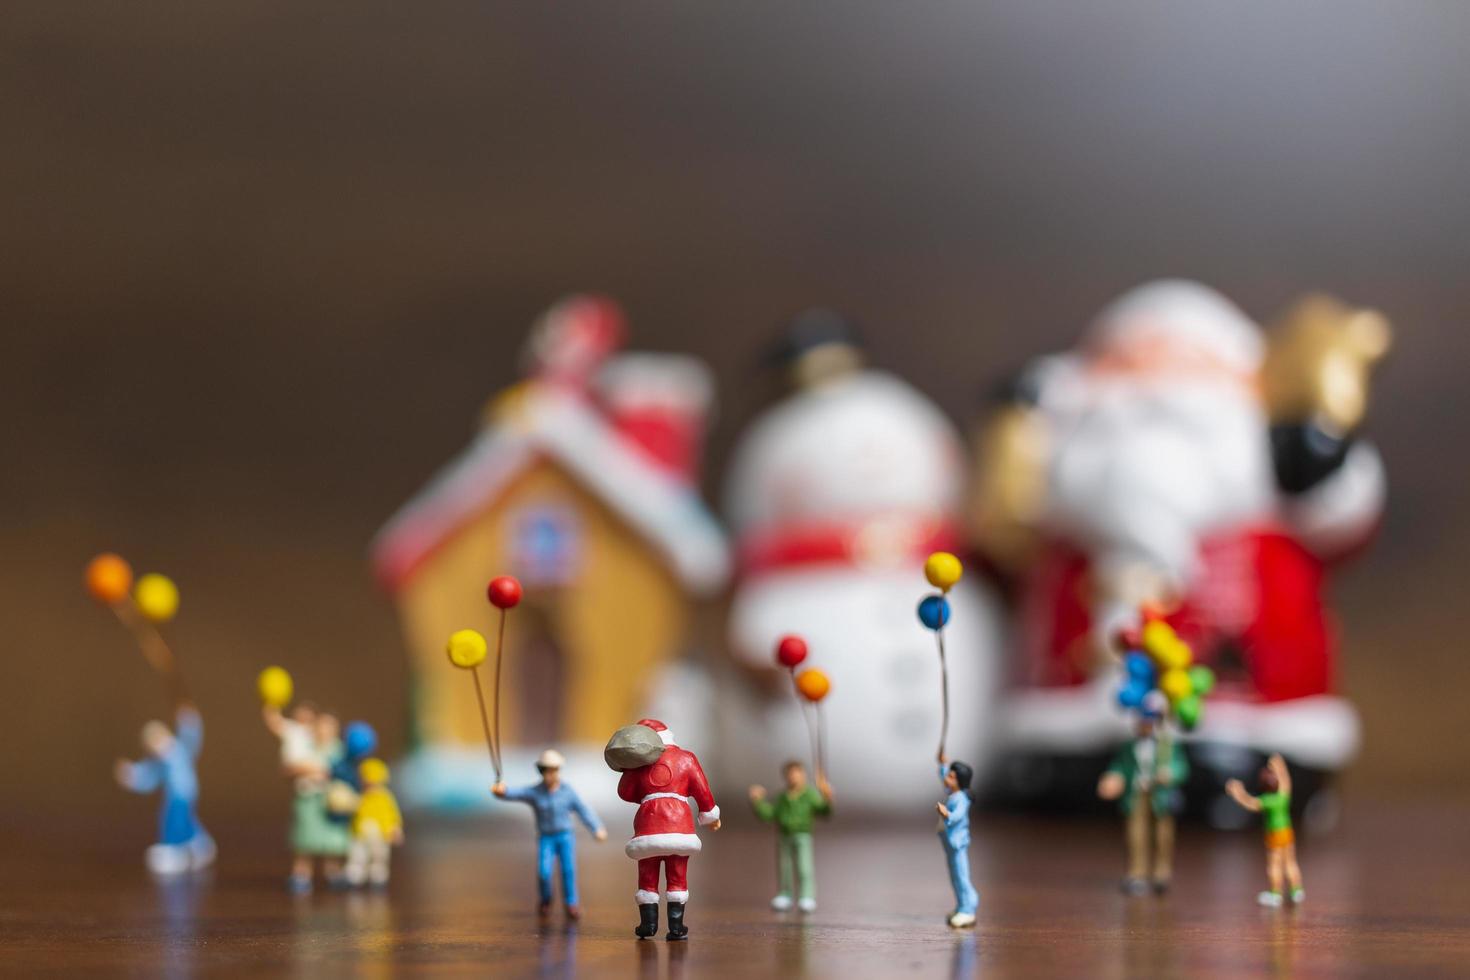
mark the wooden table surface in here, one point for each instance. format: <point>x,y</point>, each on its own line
<point>1388,895</point>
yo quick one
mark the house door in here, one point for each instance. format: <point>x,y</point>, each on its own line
<point>542,678</point>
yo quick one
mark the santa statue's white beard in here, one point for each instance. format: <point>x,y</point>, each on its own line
<point>1140,472</point>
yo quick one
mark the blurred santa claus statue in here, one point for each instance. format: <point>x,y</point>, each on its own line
<point>1180,457</point>
<point>835,496</point>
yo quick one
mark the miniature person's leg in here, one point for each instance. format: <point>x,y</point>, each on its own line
<point>566,856</point>
<point>1137,829</point>
<point>379,851</point>
<point>300,880</point>
<point>1293,872</point>
<point>967,900</point>
<point>647,897</point>
<point>545,853</point>
<point>676,882</point>
<point>785,872</point>
<point>357,856</point>
<point>1163,851</point>
<point>806,884</point>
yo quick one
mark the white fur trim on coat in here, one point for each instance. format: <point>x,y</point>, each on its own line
<point>709,816</point>
<point>661,845</point>
<point>680,897</point>
<point>667,736</point>
<point>645,898</point>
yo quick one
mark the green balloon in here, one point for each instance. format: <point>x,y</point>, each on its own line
<point>1187,710</point>
<point>1202,679</point>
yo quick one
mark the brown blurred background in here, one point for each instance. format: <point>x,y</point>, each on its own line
<point>263,261</point>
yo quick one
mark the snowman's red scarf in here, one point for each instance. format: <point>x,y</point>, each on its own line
<point>880,540</point>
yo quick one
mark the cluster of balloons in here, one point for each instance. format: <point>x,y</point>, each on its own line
<point>1160,673</point>
<point>812,684</point>
<point>110,581</point>
<point>942,570</point>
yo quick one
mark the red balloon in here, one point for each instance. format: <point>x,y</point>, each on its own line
<point>790,651</point>
<point>504,592</point>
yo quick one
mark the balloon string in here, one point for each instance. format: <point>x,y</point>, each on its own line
<point>499,655</point>
<point>155,649</point>
<point>485,723</point>
<point>944,690</point>
<point>821,741</point>
<point>807,709</point>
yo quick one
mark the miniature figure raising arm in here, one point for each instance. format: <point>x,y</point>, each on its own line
<point>521,793</point>
<point>823,806</point>
<point>189,729</point>
<point>587,815</point>
<point>139,777</point>
<point>1236,789</point>
<point>1283,776</point>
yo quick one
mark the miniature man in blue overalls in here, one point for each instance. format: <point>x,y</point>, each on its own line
<point>954,834</point>
<point>555,802</point>
<point>183,843</point>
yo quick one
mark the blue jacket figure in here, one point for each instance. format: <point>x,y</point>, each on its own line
<point>183,843</point>
<point>555,803</point>
<point>954,834</point>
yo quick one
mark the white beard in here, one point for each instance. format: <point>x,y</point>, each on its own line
<point>1141,471</point>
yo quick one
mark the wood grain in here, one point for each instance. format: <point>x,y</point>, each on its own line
<point>1386,896</point>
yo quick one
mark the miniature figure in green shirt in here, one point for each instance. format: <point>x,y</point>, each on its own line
<point>794,812</point>
<point>1274,804</point>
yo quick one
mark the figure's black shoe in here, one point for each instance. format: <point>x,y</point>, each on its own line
<point>677,929</point>
<point>648,927</point>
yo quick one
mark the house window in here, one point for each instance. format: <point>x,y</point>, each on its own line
<point>546,545</point>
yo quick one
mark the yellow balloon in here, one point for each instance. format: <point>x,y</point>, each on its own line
<point>1176,683</point>
<point>943,570</point>
<point>1156,635</point>
<point>156,597</point>
<point>275,687</point>
<point>813,684</point>
<point>466,649</point>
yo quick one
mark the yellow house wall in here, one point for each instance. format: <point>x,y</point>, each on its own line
<point>622,616</point>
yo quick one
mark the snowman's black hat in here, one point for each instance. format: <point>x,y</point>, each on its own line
<point>813,328</point>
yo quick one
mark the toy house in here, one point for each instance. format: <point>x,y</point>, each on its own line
<point>582,483</point>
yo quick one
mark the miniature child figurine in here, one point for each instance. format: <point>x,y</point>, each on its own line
<point>793,813</point>
<point>555,803</point>
<point>183,843</point>
<point>659,776</point>
<point>310,744</point>
<point>1144,778</point>
<point>376,826</point>
<point>1275,803</point>
<point>954,834</point>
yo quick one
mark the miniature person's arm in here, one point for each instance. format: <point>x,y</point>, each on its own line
<point>189,729</point>
<point>628,787</point>
<point>764,808</point>
<point>709,810</point>
<point>395,817</point>
<point>513,793</point>
<point>959,813</point>
<point>588,817</point>
<point>1112,783</point>
<point>275,722</point>
<point>140,777</point>
<point>1283,775</point>
<point>822,807</point>
<point>1236,790</point>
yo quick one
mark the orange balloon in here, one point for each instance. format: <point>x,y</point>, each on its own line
<point>109,579</point>
<point>813,684</point>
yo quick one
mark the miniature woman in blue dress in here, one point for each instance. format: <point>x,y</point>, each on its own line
<point>954,834</point>
<point>183,843</point>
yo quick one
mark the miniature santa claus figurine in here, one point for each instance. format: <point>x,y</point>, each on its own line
<point>836,495</point>
<point>1179,458</point>
<point>660,777</point>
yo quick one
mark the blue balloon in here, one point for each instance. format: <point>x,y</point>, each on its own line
<point>1131,695</point>
<point>359,739</point>
<point>1140,668</point>
<point>934,611</point>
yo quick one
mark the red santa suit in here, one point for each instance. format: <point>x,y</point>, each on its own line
<point>1158,458</point>
<point>663,828</point>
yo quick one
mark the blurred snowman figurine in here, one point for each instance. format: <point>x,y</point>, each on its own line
<point>1178,456</point>
<point>836,495</point>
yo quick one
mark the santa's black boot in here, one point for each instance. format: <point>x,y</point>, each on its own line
<point>649,924</point>
<point>677,929</point>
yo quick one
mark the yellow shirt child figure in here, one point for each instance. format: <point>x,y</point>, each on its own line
<point>376,826</point>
